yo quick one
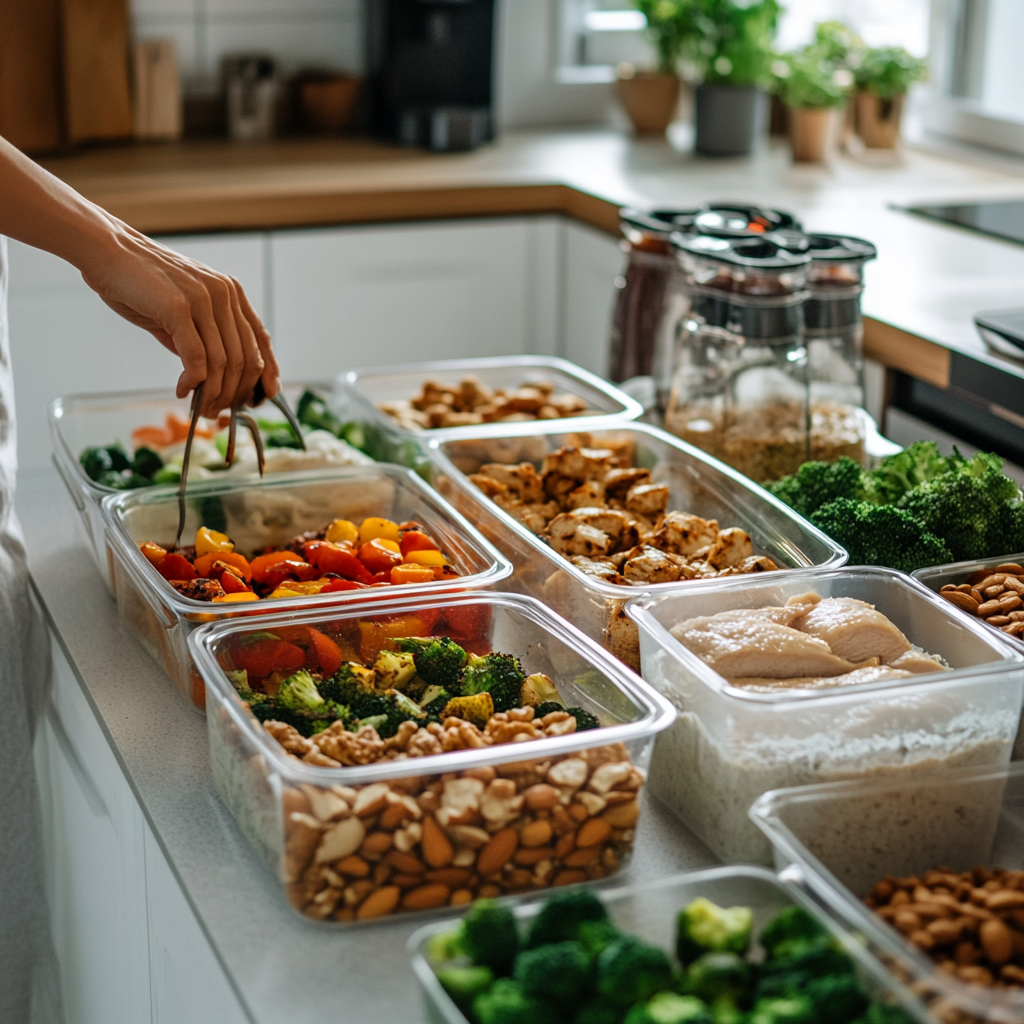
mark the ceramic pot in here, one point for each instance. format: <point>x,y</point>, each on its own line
<point>327,103</point>
<point>809,134</point>
<point>878,120</point>
<point>651,100</point>
<point>729,119</point>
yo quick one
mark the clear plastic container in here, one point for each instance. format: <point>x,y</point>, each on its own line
<point>650,910</point>
<point>265,788</point>
<point>935,577</point>
<point>85,421</point>
<point>361,390</point>
<point>260,513</point>
<point>697,484</point>
<point>730,745</point>
<point>846,836</point>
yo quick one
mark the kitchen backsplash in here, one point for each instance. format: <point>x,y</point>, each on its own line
<point>299,34</point>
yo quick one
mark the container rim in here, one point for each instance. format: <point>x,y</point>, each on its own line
<point>641,610</point>
<point>443,464</point>
<point>60,407</point>
<point>839,899</point>
<point>629,408</point>
<point>148,579</point>
<point>657,712</point>
<point>524,910</point>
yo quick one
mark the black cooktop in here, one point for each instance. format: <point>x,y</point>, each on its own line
<point>998,218</point>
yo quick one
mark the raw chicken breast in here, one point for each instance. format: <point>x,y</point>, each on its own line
<point>853,630</point>
<point>859,676</point>
<point>918,662</point>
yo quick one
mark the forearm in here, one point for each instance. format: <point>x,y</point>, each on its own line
<point>40,210</point>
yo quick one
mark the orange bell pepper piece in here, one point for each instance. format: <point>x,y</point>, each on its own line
<point>153,552</point>
<point>377,556</point>
<point>416,540</point>
<point>205,563</point>
<point>402,574</point>
<point>262,564</point>
<point>151,437</point>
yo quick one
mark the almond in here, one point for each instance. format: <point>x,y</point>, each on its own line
<point>460,897</point>
<point>541,797</point>
<point>436,846</point>
<point>581,857</point>
<point>526,856</point>
<point>537,833</point>
<point>569,878</point>
<point>962,601</point>
<point>379,903</point>
<point>426,897</point>
<point>452,877</point>
<point>565,845</point>
<point>1005,899</point>
<point>996,940</point>
<point>622,815</point>
<point>354,866</point>
<point>406,862</point>
<point>593,832</point>
<point>376,844</point>
<point>496,854</point>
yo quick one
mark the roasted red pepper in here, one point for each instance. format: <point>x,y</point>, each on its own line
<point>322,653</point>
<point>330,557</point>
<point>259,657</point>
<point>176,567</point>
<point>378,557</point>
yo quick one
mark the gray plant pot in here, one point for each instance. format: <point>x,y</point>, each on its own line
<point>729,119</point>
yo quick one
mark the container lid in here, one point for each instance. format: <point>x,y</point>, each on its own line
<point>831,313</point>
<point>748,252</point>
<point>741,220</point>
<point>775,319</point>
<point>660,221</point>
<point>835,248</point>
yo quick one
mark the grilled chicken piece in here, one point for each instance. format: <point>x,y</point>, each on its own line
<point>731,547</point>
<point>599,569</point>
<point>853,630</point>
<point>858,677</point>
<point>568,405</point>
<point>522,480</point>
<point>472,394</point>
<point>748,642</point>
<point>649,500</point>
<point>917,663</point>
<point>649,565</point>
<point>575,536</point>
<point>534,517</point>
<point>684,534</point>
<point>589,494</point>
<point>577,464</point>
<point>618,482</point>
<point>624,639</point>
<point>757,563</point>
<point>492,488</point>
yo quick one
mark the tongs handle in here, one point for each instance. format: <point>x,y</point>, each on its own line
<point>197,401</point>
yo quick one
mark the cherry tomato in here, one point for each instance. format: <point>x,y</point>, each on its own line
<point>336,586</point>
<point>321,651</point>
<point>261,657</point>
<point>176,567</point>
<point>205,563</point>
<point>416,540</point>
<point>263,564</point>
<point>153,552</point>
<point>232,584</point>
<point>328,557</point>
<point>377,557</point>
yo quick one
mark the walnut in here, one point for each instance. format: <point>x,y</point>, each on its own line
<point>289,737</point>
<point>400,741</point>
<point>349,748</point>
<point>321,760</point>
<point>423,744</point>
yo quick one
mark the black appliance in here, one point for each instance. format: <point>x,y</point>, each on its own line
<point>430,66</point>
<point>1000,218</point>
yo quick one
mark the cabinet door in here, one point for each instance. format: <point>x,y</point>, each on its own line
<point>64,339</point>
<point>347,297</point>
<point>592,261</point>
<point>95,864</point>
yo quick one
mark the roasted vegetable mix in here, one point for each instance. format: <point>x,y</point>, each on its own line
<point>573,964</point>
<point>157,451</point>
<point>918,508</point>
<point>340,557</point>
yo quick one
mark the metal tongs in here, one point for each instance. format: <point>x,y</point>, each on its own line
<point>238,412</point>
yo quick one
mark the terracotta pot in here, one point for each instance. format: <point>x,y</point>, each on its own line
<point>327,103</point>
<point>878,120</point>
<point>809,134</point>
<point>651,100</point>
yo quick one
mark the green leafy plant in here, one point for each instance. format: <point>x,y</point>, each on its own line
<point>807,81</point>
<point>673,28</point>
<point>837,43</point>
<point>736,47</point>
<point>889,71</point>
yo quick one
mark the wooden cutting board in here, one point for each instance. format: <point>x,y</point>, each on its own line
<point>97,101</point>
<point>30,74</point>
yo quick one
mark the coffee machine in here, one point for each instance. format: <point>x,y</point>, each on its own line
<point>430,66</point>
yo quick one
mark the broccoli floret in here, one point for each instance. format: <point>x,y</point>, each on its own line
<point>476,709</point>
<point>596,936</point>
<point>464,984</point>
<point>631,971</point>
<point>962,504</point>
<point>537,689</point>
<point>299,693</point>
<point>312,412</point>
<point>443,946</point>
<point>394,669</point>
<point>791,930</point>
<point>500,675</point>
<point>878,1014</point>
<point>1006,534</point>
<point>837,998</point>
<point>703,927</point>
<point>584,719</point>
<point>559,973</point>
<point>96,462</point>
<point>903,471</point>
<point>880,535</point>
<point>438,659</point>
<point>816,958</point>
<point>794,1010</point>
<point>670,1008</point>
<point>561,917</point>
<point>817,483</point>
<point>599,1012</point>
<point>354,686</point>
<point>489,936</point>
<point>546,708</point>
<point>434,700</point>
<point>146,462</point>
<point>399,709</point>
<point>378,722</point>
<point>506,1003</point>
<point>720,979</point>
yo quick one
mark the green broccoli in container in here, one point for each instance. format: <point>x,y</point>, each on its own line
<point>558,973</point>
<point>631,971</point>
<point>817,483</point>
<point>489,936</point>
<point>721,979</point>
<point>394,669</point>
<point>439,660</point>
<point>434,700</point>
<point>500,675</point>
<point>505,1002</point>
<point>464,984</point>
<point>562,916</point>
<point>670,1008</point>
<point>703,927</point>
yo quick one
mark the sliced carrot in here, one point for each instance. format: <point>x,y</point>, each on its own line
<point>151,437</point>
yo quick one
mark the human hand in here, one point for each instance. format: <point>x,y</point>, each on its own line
<point>204,317</point>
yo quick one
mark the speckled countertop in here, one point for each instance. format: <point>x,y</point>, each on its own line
<point>282,968</point>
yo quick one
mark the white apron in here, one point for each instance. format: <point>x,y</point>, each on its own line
<point>29,990</point>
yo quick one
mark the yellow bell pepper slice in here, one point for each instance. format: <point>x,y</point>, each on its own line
<point>375,528</point>
<point>235,598</point>
<point>342,530</point>
<point>208,541</point>
<point>426,557</point>
<point>296,588</point>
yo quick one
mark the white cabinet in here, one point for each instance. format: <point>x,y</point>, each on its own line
<point>129,946</point>
<point>64,339</point>
<point>347,297</point>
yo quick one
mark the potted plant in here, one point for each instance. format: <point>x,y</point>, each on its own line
<point>811,88</point>
<point>651,98</point>
<point>883,77</point>
<point>837,43</point>
<point>735,65</point>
